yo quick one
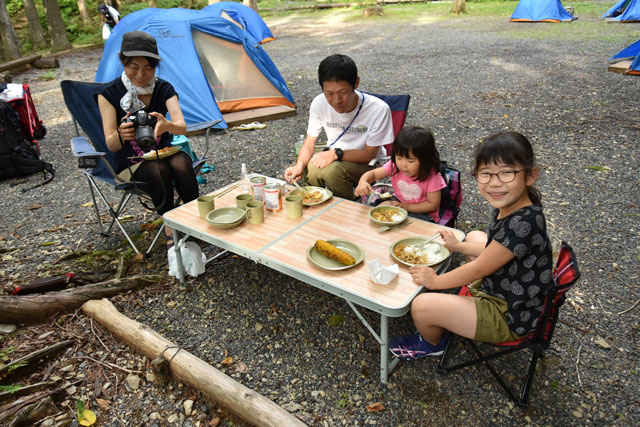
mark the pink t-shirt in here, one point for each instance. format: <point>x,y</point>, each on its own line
<point>410,190</point>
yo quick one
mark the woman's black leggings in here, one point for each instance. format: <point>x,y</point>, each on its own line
<point>161,176</point>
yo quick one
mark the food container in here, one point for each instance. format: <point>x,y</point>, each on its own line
<point>272,197</point>
<point>396,215</point>
<point>258,184</point>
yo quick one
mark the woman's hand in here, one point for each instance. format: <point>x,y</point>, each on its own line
<point>162,124</point>
<point>363,188</point>
<point>126,129</point>
<point>424,276</point>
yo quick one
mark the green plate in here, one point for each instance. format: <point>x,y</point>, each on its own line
<point>226,217</point>
<point>327,263</point>
<point>419,241</point>
<point>400,210</point>
<point>326,194</point>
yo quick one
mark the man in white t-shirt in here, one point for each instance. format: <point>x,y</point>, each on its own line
<point>357,127</point>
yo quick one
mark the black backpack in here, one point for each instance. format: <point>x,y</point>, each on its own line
<point>17,156</point>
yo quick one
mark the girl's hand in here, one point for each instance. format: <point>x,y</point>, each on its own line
<point>363,188</point>
<point>162,124</point>
<point>450,241</point>
<point>395,203</point>
<point>424,276</point>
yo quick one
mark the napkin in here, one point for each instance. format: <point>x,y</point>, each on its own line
<point>380,274</point>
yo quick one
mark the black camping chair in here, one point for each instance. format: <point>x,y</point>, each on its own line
<point>565,274</point>
<point>97,162</point>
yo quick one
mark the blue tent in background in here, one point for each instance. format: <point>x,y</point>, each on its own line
<point>214,65</point>
<point>540,11</point>
<point>627,61</point>
<point>246,17</point>
<point>624,11</point>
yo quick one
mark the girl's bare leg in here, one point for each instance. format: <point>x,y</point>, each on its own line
<point>433,313</point>
<point>475,236</point>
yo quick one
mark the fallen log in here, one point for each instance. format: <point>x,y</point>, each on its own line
<point>37,355</point>
<point>19,63</point>
<point>189,369</point>
<point>36,308</point>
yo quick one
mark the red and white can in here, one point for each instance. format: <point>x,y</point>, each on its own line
<point>258,183</point>
<point>272,197</point>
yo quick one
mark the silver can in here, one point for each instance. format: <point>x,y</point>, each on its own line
<point>258,183</point>
<point>272,197</point>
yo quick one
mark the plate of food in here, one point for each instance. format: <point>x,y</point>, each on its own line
<point>335,254</point>
<point>417,251</point>
<point>161,154</point>
<point>388,215</point>
<point>312,196</point>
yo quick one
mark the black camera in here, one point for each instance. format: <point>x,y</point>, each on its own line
<point>144,123</point>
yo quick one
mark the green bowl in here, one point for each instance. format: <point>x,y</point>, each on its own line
<point>443,253</point>
<point>400,210</point>
<point>226,217</point>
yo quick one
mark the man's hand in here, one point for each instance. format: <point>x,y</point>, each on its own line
<point>294,173</point>
<point>323,158</point>
<point>424,276</point>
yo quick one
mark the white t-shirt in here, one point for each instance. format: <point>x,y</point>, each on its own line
<point>373,125</point>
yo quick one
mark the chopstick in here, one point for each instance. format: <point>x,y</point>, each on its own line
<point>226,190</point>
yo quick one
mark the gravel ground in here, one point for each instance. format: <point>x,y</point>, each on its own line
<point>467,78</point>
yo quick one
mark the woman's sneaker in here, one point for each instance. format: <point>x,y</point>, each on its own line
<point>414,346</point>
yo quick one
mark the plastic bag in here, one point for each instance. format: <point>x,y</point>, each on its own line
<point>106,31</point>
<point>193,259</point>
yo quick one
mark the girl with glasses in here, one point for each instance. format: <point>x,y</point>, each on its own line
<point>508,269</point>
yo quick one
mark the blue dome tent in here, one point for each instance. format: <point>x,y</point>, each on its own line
<point>627,61</point>
<point>218,70</point>
<point>541,11</point>
<point>244,16</point>
<point>624,11</point>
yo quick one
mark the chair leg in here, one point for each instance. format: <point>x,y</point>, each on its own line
<point>155,239</point>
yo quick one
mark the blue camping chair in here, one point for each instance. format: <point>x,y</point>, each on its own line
<point>96,161</point>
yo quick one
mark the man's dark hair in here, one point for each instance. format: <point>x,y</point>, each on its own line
<point>337,68</point>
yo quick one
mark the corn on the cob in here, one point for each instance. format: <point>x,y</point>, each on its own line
<point>327,249</point>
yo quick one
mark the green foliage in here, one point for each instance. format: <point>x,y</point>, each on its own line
<point>9,388</point>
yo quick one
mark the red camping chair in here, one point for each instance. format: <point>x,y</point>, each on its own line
<point>565,274</point>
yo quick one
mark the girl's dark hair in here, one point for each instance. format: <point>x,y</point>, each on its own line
<point>511,148</point>
<point>153,62</point>
<point>421,143</point>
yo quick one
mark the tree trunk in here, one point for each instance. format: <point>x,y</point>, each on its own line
<point>8,34</point>
<point>253,4</point>
<point>57,31</point>
<point>35,29</point>
<point>36,308</point>
<point>152,3</point>
<point>214,1</point>
<point>188,369</point>
<point>459,6</point>
<point>84,13</point>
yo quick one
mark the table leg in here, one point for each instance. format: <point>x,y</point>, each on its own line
<point>176,240</point>
<point>384,348</point>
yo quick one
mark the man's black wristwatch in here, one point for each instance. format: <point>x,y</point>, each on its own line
<point>339,153</point>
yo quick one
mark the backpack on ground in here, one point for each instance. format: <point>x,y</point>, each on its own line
<point>18,157</point>
<point>450,196</point>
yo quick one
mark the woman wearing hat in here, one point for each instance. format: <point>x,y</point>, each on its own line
<point>137,89</point>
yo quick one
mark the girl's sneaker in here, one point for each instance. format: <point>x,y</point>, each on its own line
<point>414,346</point>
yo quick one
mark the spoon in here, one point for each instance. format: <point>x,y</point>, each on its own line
<point>302,192</point>
<point>435,236</point>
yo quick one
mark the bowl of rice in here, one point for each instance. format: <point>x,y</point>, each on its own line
<point>412,251</point>
<point>388,215</point>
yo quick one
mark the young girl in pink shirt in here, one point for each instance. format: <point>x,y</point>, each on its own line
<point>413,169</point>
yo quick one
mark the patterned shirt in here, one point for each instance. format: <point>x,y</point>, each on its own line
<point>522,281</point>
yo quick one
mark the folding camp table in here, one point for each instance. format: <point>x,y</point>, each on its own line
<point>281,243</point>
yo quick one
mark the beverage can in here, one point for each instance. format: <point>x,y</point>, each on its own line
<point>258,183</point>
<point>272,197</point>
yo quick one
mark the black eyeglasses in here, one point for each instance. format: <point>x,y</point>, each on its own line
<point>503,176</point>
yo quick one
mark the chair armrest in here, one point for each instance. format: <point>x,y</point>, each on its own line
<point>82,148</point>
